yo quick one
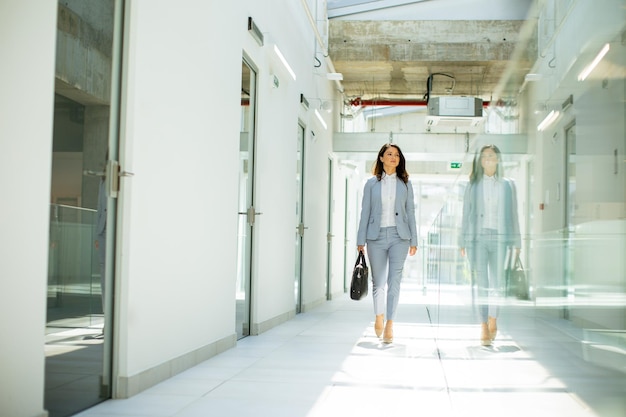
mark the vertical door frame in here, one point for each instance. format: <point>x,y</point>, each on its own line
<point>250,196</point>
<point>115,146</point>
<point>568,232</point>
<point>300,222</point>
<point>329,233</point>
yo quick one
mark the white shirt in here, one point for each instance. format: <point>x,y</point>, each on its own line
<point>388,195</point>
<point>491,196</point>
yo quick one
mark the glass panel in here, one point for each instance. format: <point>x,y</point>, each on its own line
<point>329,233</point>
<point>78,355</point>
<point>570,215</point>
<point>299,219</point>
<point>565,316</point>
<point>74,287</point>
<point>246,210</point>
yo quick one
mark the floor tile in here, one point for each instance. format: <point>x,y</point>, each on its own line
<point>328,362</point>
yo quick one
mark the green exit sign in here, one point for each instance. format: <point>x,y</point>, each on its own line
<point>456,165</point>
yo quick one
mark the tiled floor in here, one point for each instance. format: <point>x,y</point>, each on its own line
<point>328,363</point>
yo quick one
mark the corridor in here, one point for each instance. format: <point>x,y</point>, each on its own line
<point>328,362</point>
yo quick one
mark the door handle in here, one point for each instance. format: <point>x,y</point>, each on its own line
<point>300,229</point>
<point>250,213</point>
<point>113,178</point>
<point>91,173</point>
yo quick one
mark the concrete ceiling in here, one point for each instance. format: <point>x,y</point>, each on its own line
<point>388,61</point>
<point>392,59</point>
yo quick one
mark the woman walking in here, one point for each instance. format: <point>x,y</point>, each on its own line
<point>387,226</point>
<point>489,228</point>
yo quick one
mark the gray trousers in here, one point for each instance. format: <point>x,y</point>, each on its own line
<point>102,242</point>
<point>387,255</point>
<point>487,257</point>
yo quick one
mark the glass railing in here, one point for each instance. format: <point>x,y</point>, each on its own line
<point>575,280</point>
<point>74,293</point>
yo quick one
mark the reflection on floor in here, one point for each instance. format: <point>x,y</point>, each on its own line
<point>328,362</point>
<point>74,365</point>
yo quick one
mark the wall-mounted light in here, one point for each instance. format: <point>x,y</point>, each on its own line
<point>548,120</point>
<point>321,119</point>
<point>587,70</point>
<point>326,105</point>
<point>284,61</point>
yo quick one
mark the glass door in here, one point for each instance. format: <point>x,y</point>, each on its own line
<point>82,208</point>
<point>329,232</point>
<point>299,218</point>
<point>570,215</point>
<point>247,213</point>
<point>346,239</point>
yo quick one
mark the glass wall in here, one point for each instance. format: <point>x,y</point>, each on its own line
<point>74,288</point>
<point>561,142</point>
<point>77,340</point>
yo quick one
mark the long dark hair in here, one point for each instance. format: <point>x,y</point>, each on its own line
<point>378,170</point>
<point>477,168</point>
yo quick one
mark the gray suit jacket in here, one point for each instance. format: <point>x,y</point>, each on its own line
<point>474,211</point>
<point>372,210</point>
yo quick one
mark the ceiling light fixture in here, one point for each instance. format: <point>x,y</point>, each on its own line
<point>533,77</point>
<point>285,63</point>
<point>548,120</point>
<point>334,76</point>
<point>585,72</point>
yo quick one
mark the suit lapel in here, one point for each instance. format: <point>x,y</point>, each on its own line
<point>377,195</point>
<point>400,192</point>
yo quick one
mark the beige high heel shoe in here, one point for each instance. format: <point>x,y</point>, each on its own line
<point>485,337</point>
<point>493,327</point>
<point>378,324</point>
<point>388,335</point>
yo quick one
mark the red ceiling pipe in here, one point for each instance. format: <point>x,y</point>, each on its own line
<point>359,102</point>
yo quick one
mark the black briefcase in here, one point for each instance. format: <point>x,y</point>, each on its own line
<point>516,282</point>
<point>359,284</point>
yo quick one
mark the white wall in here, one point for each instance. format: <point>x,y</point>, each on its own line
<point>176,243</point>
<point>595,112</point>
<point>178,215</point>
<point>177,234</point>
<point>338,232</point>
<point>279,111</point>
<point>27,44</point>
<point>598,113</point>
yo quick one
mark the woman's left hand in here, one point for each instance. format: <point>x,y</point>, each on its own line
<point>412,250</point>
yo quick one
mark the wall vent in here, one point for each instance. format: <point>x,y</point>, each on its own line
<point>254,30</point>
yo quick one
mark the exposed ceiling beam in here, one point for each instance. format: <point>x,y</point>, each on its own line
<point>346,8</point>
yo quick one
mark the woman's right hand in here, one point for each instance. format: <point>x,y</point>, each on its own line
<point>462,251</point>
<point>360,248</point>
